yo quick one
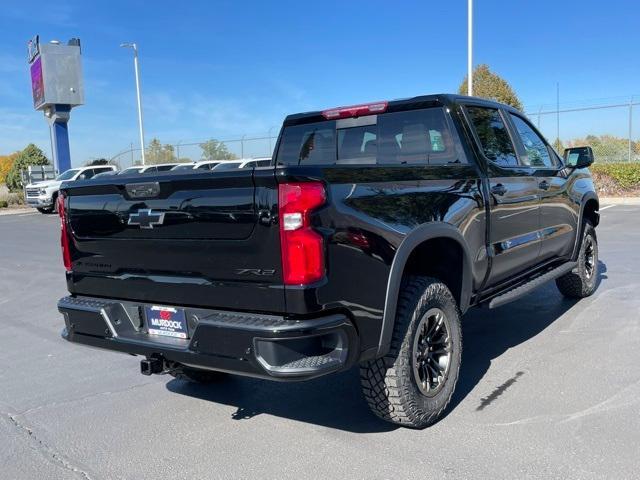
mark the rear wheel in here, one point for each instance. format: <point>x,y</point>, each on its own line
<point>413,384</point>
<point>195,375</point>
<point>583,280</point>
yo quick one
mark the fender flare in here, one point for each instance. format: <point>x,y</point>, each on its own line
<point>580,227</point>
<point>427,231</point>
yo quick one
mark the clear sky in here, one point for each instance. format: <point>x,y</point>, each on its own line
<point>226,68</point>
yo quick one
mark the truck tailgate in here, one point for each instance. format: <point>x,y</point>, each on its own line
<point>200,239</point>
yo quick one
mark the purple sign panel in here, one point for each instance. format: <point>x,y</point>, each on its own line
<point>37,83</point>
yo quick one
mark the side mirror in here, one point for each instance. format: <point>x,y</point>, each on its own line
<point>578,157</point>
<point>82,176</point>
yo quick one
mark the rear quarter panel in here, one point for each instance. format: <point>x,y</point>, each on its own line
<point>370,211</point>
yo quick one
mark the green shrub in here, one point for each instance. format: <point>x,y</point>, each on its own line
<point>15,198</point>
<point>4,204</point>
<point>626,176</point>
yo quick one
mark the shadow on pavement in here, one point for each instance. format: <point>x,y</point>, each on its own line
<point>335,401</point>
<point>487,334</point>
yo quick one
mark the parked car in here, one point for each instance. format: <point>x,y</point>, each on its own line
<point>146,169</point>
<point>108,173</point>
<point>375,229</point>
<point>43,195</point>
<point>256,162</point>
<point>228,165</point>
<point>183,167</point>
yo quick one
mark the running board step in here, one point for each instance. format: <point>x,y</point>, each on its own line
<point>528,287</point>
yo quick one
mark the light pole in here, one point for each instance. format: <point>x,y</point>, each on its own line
<point>270,148</point>
<point>470,48</point>
<point>558,113</point>
<point>137,70</point>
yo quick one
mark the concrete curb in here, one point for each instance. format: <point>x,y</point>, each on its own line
<point>619,200</point>
<point>16,211</point>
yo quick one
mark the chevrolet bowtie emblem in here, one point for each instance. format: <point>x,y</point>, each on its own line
<point>146,218</point>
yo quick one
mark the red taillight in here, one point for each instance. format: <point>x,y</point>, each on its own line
<point>64,233</point>
<point>302,247</point>
<point>355,110</point>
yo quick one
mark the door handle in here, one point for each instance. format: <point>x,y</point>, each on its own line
<point>499,189</point>
<point>544,185</point>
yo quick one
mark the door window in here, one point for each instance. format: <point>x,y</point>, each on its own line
<point>493,135</point>
<point>536,151</point>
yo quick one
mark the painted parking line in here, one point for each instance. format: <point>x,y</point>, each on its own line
<point>608,206</point>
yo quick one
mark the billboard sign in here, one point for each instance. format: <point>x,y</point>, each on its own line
<point>37,83</point>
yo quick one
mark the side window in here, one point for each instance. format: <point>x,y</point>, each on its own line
<point>537,153</point>
<point>89,173</point>
<point>493,136</point>
<point>417,136</point>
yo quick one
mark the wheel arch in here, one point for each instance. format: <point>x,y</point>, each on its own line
<point>589,207</point>
<point>442,237</point>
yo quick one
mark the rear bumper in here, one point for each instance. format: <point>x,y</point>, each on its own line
<point>265,346</point>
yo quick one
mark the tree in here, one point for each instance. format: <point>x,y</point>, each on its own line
<point>487,84</point>
<point>31,155</point>
<point>6,162</point>
<point>558,146</point>
<point>97,161</point>
<point>216,150</point>
<point>158,153</point>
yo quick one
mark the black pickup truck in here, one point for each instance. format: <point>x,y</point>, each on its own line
<point>374,229</point>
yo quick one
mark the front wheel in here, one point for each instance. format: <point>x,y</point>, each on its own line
<point>413,384</point>
<point>45,211</point>
<point>583,280</point>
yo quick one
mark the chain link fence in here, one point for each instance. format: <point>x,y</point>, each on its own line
<point>194,151</point>
<point>608,127</point>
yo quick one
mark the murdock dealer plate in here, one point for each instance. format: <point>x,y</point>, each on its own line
<point>166,321</point>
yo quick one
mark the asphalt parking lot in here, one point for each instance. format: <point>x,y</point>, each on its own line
<point>549,388</point>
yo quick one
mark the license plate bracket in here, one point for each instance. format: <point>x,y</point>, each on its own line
<point>166,321</point>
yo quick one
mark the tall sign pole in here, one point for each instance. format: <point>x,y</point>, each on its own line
<point>57,87</point>
<point>470,47</point>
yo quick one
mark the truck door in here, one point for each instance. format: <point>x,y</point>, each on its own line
<point>558,214</point>
<point>513,197</point>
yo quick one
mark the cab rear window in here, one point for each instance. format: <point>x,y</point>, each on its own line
<point>410,137</point>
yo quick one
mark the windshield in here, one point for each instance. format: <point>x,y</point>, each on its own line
<point>68,175</point>
<point>131,170</point>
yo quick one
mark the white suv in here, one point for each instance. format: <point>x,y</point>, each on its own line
<point>43,195</point>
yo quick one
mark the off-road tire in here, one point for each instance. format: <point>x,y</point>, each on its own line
<point>577,283</point>
<point>194,375</point>
<point>388,383</point>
